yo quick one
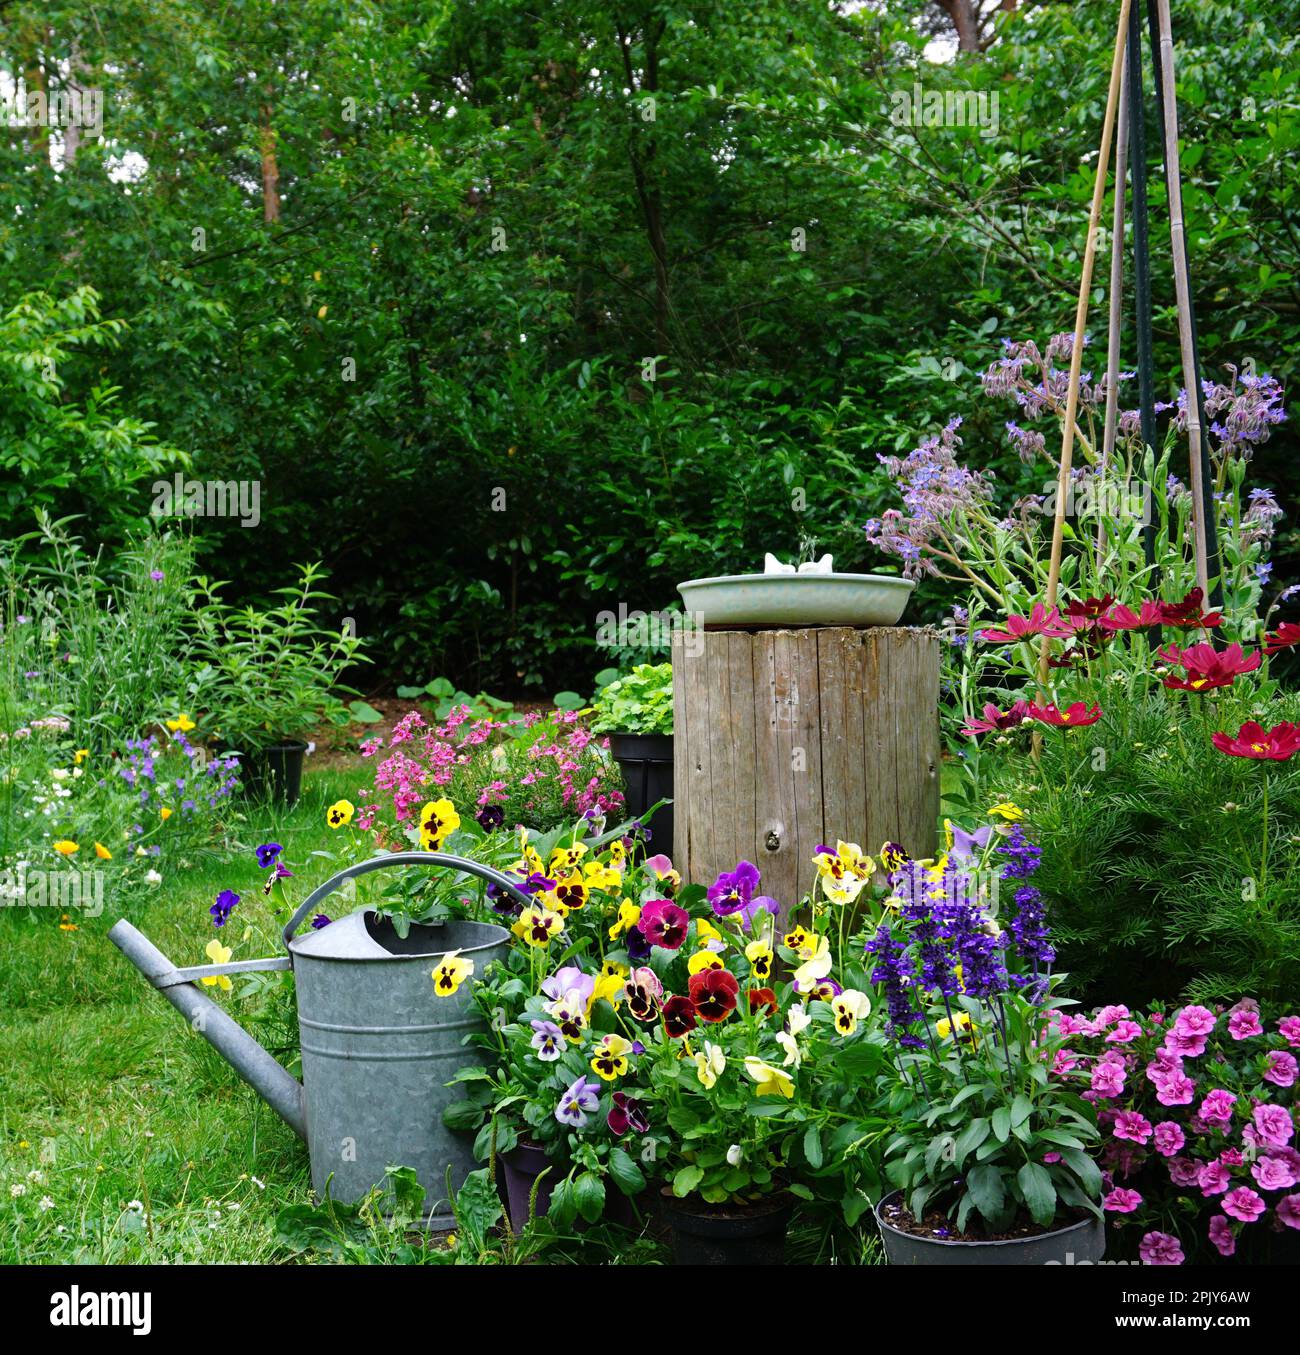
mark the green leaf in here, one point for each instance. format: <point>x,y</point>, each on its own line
<point>971,1137</point>
<point>589,1191</point>
<point>812,1147</point>
<point>1084,1168</point>
<point>1002,1123</point>
<point>1021,1109</point>
<point>569,701</point>
<point>686,1180</point>
<point>985,1186</point>
<point>628,1177</point>
<point>1038,1191</point>
<point>364,713</point>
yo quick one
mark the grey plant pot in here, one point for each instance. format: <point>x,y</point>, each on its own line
<point>1079,1244</point>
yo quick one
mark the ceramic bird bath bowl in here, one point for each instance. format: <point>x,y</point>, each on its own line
<point>812,598</point>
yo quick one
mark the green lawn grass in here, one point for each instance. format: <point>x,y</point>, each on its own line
<point>139,1139</point>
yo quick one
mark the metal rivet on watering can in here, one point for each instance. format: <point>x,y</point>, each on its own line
<point>378,1044</point>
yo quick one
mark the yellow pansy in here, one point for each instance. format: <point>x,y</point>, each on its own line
<point>791,1046</point>
<point>218,954</point>
<point>610,1058</point>
<point>1005,809</point>
<point>629,914</point>
<point>66,847</point>
<point>450,972</point>
<point>707,936</point>
<point>798,938</point>
<point>892,856</point>
<point>944,1026</point>
<point>704,959</point>
<point>608,987</point>
<point>604,878</point>
<point>438,820</point>
<point>80,756</point>
<point>611,969</point>
<point>569,892</point>
<point>182,724</point>
<point>617,854</point>
<point>844,872</point>
<point>771,1081</point>
<point>102,852</point>
<point>759,955</point>
<point>565,858</point>
<point>710,1062</point>
<point>537,926</point>
<point>816,965</point>
<point>849,1007</point>
<point>340,813</point>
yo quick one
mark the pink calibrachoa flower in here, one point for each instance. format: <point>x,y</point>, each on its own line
<point>1242,1025</point>
<point>1194,1021</point>
<point>1287,1211</point>
<point>1107,1016</point>
<point>1272,1173</point>
<point>1243,1204</point>
<point>1176,1090</point>
<point>1121,1201</point>
<point>1108,1079</point>
<point>1290,1028</point>
<point>1217,1106</point>
<point>1281,1070</point>
<point>1183,1171</point>
<point>1185,1046</point>
<point>1160,1249</point>
<point>1231,1157</point>
<point>1132,1126</point>
<point>1168,1138</point>
<point>1221,1234</point>
<point>1273,1125</point>
<point>1213,1179</point>
<point>1124,1033</point>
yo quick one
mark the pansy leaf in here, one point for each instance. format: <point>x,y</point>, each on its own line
<point>589,1192</point>
<point>628,1177</point>
<point>686,1180</point>
<point>564,1204</point>
<point>812,1147</point>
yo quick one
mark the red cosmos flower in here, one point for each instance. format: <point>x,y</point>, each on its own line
<point>664,923</point>
<point>763,998</point>
<point>1187,613</point>
<point>1287,634</point>
<point>714,992</point>
<point>1040,621</point>
<point>1207,667</point>
<point>994,720</point>
<point>679,1015</point>
<point>1087,614</point>
<point>1077,714</point>
<point>1125,618</point>
<point>1252,740</point>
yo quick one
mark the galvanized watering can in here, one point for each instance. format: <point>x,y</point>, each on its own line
<point>378,1044</point>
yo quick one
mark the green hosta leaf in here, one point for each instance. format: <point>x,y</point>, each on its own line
<point>410,693</point>
<point>569,701</point>
<point>364,713</point>
<point>1038,1191</point>
<point>985,1186</point>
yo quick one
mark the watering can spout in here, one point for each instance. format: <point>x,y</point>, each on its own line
<point>278,1088</point>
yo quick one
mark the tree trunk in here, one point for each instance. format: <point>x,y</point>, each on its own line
<point>270,170</point>
<point>965,19</point>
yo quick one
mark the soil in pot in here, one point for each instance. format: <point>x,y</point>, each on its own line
<point>933,1240</point>
<point>275,773</point>
<point>728,1234</point>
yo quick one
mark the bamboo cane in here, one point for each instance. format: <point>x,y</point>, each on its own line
<point>1080,320</point>
<point>1182,293</point>
<point>1116,295</point>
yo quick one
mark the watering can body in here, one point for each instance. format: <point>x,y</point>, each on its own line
<point>378,1043</point>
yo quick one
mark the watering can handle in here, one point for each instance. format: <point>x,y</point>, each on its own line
<point>321,892</point>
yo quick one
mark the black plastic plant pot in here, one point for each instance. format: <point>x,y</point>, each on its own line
<point>1077,1244</point>
<point>521,1167</point>
<point>646,761</point>
<point>274,774</point>
<point>728,1235</point>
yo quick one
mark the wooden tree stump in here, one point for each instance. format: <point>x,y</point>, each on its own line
<point>784,739</point>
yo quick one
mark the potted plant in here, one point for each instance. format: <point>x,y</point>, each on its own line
<point>636,711</point>
<point>991,1158</point>
<point>267,677</point>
